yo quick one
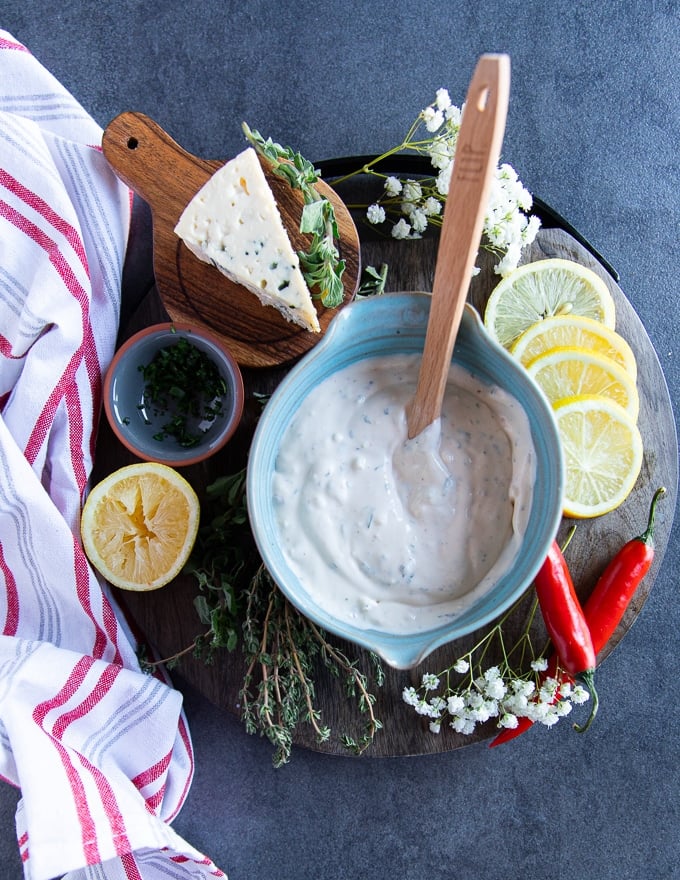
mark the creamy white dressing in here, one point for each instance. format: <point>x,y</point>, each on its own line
<point>395,534</point>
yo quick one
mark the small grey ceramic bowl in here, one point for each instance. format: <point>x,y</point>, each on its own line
<point>137,423</point>
<point>396,323</point>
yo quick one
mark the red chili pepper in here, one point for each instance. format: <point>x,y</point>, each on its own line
<point>607,603</point>
<point>617,584</point>
<point>566,623</point>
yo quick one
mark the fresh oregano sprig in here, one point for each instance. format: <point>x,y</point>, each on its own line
<point>321,264</point>
<point>222,562</point>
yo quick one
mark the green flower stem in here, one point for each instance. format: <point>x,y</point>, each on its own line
<point>418,147</point>
<point>588,679</point>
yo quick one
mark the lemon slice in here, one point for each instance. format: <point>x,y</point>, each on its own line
<point>542,289</point>
<point>602,453</point>
<point>567,331</point>
<point>569,372</point>
<point>139,525</point>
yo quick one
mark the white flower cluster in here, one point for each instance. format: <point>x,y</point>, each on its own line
<point>507,227</point>
<point>491,695</point>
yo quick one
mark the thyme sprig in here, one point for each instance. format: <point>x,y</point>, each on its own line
<point>321,264</point>
<point>283,652</point>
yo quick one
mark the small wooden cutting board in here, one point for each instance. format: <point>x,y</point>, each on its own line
<point>167,177</point>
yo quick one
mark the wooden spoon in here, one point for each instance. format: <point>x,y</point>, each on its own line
<point>477,152</point>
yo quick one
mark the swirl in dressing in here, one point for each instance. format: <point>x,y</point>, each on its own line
<point>395,534</point>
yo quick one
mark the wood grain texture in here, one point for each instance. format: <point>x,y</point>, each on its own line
<point>167,619</point>
<point>151,163</point>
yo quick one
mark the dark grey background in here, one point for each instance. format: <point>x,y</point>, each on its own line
<point>593,129</point>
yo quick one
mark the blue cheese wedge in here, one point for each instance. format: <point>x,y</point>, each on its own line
<point>234,223</point>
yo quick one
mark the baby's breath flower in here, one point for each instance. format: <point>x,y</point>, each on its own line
<point>516,703</point>
<point>507,228</point>
<point>455,704</point>
<point>418,220</point>
<point>453,115</point>
<point>539,665</point>
<point>508,720</point>
<point>485,710</point>
<point>537,711</point>
<point>475,700</point>
<point>422,707</point>
<point>393,186</point>
<point>496,688</point>
<point>432,207</point>
<point>548,690</point>
<point>401,229</point>
<point>510,261</point>
<point>463,725</point>
<point>430,682</point>
<point>444,179</point>
<point>438,706</point>
<point>563,708</point>
<point>442,99</point>
<point>441,153</point>
<point>375,214</point>
<point>432,118</point>
<point>410,696</point>
<point>531,229</point>
<point>550,718</point>
<point>435,726</point>
<point>412,191</point>
<point>522,687</point>
<point>579,695</point>
<point>461,665</point>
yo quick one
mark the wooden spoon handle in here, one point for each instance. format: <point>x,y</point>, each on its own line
<point>477,152</point>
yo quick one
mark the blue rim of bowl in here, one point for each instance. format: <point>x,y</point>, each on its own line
<point>233,377</point>
<point>402,651</point>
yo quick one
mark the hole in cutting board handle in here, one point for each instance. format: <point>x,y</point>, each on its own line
<point>132,143</point>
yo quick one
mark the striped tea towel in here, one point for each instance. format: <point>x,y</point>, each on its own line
<point>100,751</point>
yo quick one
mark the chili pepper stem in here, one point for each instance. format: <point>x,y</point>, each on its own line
<point>647,537</point>
<point>588,679</point>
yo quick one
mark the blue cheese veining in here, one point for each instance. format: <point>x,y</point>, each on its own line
<point>396,534</point>
<point>233,222</point>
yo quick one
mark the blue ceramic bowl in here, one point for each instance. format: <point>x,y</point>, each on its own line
<point>396,323</point>
<point>133,419</point>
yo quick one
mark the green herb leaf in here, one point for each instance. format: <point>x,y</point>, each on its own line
<point>313,218</point>
<point>183,387</point>
<point>373,281</point>
<point>321,264</point>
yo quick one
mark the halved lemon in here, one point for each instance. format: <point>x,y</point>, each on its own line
<point>567,331</point>
<point>542,289</point>
<point>602,452</point>
<point>139,525</point>
<point>569,372</point>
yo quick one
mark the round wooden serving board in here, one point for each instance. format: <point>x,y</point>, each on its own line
<point>167,618</point>
<point>151,163</point>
